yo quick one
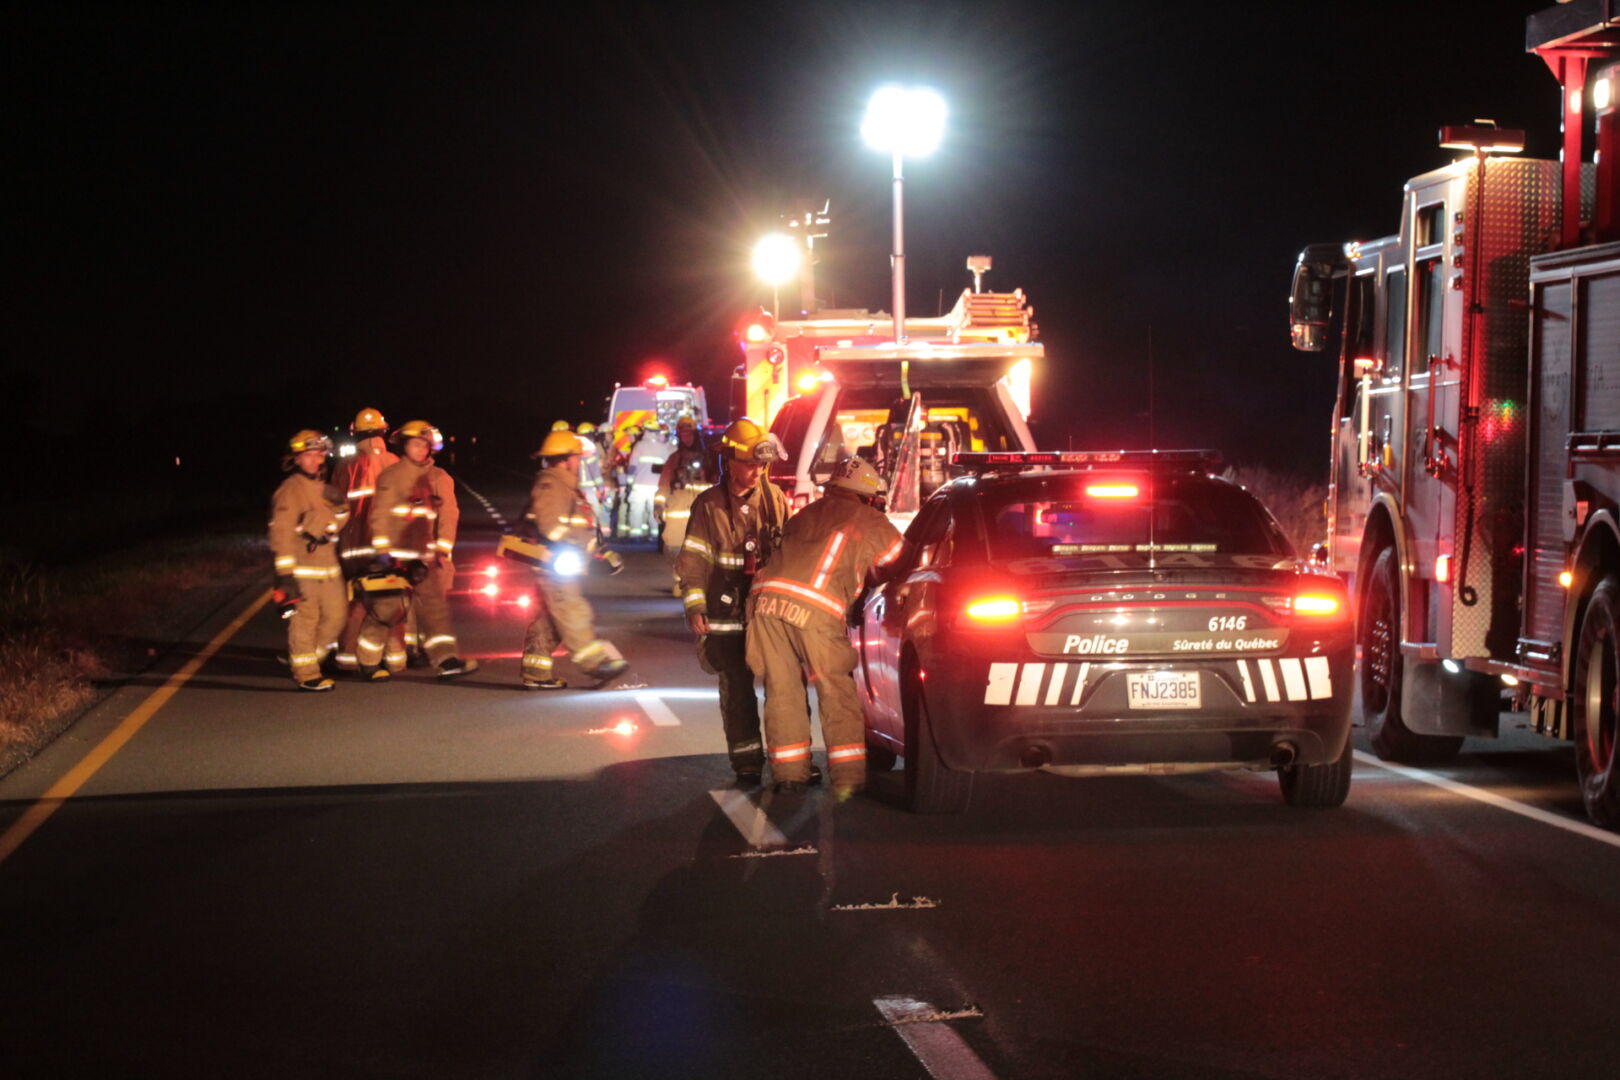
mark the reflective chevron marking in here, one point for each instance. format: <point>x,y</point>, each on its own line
<point>1054,689</point>
<point>1285,679</point>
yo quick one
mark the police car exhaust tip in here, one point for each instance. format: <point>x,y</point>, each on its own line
<point>1035,757</point>
<point>1283,755</point>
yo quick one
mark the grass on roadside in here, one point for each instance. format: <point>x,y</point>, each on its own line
<point>64,627</point>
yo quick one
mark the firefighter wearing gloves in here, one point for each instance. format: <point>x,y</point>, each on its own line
<point>561,519</point>
<point>356,478</point>
<point>733,530</point>
<point>798,607</point>
<point>306,517</point>
<point>413,528</point>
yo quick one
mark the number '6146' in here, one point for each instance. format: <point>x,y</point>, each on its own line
<point>1229,622</point>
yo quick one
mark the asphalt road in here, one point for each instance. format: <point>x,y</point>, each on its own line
<point>430,879</point>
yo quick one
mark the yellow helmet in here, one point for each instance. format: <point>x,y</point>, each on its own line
<point>368,423</point>
<point>747,442</point>
<point>419,429</point>
<point>309,440</point>
<point>857,475</point>
<point>561,444</point>
<point>585,428</point>
<point>687,422</point>
<point>560,425</point>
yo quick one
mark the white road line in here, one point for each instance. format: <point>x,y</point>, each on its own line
<point>659,713</point>
<point>937,1046</point>
<point>1501,802</point>
<point>750,820</point>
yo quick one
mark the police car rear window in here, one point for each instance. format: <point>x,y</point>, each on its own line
<point>1098,514</point>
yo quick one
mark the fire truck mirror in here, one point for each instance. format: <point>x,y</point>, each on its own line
<point>1310,302</point>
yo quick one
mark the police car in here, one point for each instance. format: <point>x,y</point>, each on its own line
<point>1094,614</point>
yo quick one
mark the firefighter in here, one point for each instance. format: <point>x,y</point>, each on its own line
<point>356,477</point>
<point>734,529</point>
<point>590,475</point>
<point>306,517</point>
<point>561,520</point>
<point>413,528</point>
<point>687,471</point>
<point>645,460</point>
<point>797,625</point>
<point>619,470</point>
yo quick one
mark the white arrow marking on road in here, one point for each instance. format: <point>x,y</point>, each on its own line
<point>1534,813</point>
<point>659,713</point>
<point>750,820</point>
<point>939,1048</point>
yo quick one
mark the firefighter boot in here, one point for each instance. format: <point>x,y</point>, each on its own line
<point>609,671</point>
<point>456,666</point>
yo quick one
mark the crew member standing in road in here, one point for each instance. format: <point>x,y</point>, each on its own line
<point>413,528</point>
<point>306,516</point>
<point>689,465</point>
<point>561,520</point>
<point>356,477</point>
<point>590,474</point>
<point>646,458</point>
<point>798,624</point>
<point>733,531</point>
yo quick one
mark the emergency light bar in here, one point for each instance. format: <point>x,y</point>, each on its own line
<point>1024,459</point>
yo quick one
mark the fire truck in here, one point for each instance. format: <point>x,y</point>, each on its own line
<point>836,383</point>
<point>1475,495</point>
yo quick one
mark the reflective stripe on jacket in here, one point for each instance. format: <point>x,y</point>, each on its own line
<point>827,551</point>
<point>306,517</point>
<point>709,568</point>
<point>559,511</point>
<point>415,513</point>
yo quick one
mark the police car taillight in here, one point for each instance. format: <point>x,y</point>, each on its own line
<point>1317,605</point>
<point>994,610</point>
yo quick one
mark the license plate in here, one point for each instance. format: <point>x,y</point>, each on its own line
<point>1163,689</point>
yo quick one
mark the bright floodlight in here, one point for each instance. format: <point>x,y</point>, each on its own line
<point>776,259</point>
<point>904,120</point>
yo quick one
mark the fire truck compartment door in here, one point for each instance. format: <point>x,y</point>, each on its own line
<point>929,366</point>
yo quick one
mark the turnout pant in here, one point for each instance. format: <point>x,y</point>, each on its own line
<point>348,657</point>
<point>431,602</point>
<point>780,654</point>
<point>565,618</point>
<point>726,655</point>
<point>316,622</point>
<point>639,516</point>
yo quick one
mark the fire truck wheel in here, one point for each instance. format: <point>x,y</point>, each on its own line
<point>1324,785</point>
<point>1596,705</point>
<point>931,788</point>
<point>1379,636</point>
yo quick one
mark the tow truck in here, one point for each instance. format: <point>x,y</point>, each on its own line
<point>835,383</point>
<point>1475,493</point>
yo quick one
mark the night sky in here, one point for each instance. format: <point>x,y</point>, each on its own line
<point>226,223</point>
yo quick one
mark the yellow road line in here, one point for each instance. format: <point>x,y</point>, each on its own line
<point>65,788</point>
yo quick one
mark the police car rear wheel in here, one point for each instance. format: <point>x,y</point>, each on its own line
<point>1318,785</point>
<point>931,787</point>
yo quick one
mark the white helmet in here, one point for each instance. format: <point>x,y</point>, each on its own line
<point>857,475</point>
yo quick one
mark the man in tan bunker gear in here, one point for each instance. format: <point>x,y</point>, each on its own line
<point>306,516</point>
<point>562,520</point>
<point>413,528</point>
<point>356,477</point>
<point>733,531</point>
<point>797,624</point>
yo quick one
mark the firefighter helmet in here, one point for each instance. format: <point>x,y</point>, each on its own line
<point>560,425</point>
<point>368,424</point>
<point>585,428</point>
<point>309,440</point>
<point>686,422</point>
<point>419,429</point>
<point>747,442</point>
<point>857,475</point>
<point>561,444</point>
